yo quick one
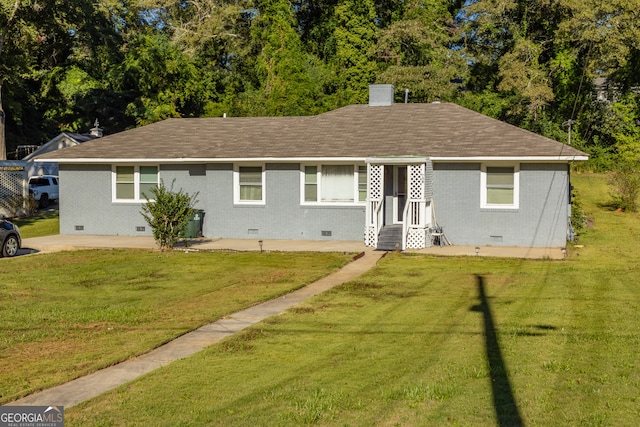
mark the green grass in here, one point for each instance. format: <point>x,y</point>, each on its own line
<point>67,314</point>
<point>406,345</point>
<point>42,224</point>
<point>415,342</point>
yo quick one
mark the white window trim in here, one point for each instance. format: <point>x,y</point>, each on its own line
<point>516,187</point>
<point>236,184</point>
<point>319,202</point>
<point>137,198</point>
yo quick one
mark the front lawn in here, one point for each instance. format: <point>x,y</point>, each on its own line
<point>418,340</point>
<point>67,314</point>
<point>424,340</point>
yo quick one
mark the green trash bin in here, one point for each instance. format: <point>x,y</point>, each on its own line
<point>194,226</point>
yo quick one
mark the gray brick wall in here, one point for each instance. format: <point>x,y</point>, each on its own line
<point>541,219</point>
<point>86,202</point>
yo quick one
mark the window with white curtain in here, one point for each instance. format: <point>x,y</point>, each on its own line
<point>336,183</point>
<point>339,184</point>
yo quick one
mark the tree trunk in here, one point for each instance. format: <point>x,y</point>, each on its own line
<point>3,145</point>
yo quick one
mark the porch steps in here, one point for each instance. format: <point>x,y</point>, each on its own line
<point>390,238</point>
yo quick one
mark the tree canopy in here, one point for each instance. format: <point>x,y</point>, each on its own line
<point>543,65</point>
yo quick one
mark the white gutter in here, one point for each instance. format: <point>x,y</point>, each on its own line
<point>512,159</point>
<point>400,160</point>
<point>380,159</point>
<point>210,160</point>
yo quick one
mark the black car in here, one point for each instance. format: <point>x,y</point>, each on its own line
<point>10,239</point>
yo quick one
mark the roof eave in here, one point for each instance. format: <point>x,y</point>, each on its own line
<point>546,159</point>
<point>391,159</point>
<point>208,160</point>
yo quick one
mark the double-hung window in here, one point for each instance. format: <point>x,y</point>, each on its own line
<point>500,187</point>
<point>249,185</point>
<point>133,183</point>
<point>338,184</point>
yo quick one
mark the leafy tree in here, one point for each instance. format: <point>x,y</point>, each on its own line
<point>287,80</point>
<point>197,24</point>
<point>164,81</point>
<point>43,44</point>
<point>512,44</point>
<point>419,52</point>
<point>355,36</point>
<point>22,44</point>
<point>521,73</point>
<point>606,32</point>
<point>168,212</point>
<point>316,23</point>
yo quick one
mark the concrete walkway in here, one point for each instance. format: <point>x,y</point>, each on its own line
<point>84,388</point>
<point>63,242</point>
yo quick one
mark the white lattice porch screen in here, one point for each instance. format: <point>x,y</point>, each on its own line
<point>375,194</point>
<point>12,182</point>
<point>415,221</point>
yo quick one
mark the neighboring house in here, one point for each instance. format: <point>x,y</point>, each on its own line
<point>350,174</point>
<point>64,140</point>
<point>14,174</point>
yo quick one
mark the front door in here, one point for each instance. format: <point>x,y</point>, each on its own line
<point>395,185</point>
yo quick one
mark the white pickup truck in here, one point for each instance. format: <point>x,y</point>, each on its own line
<point>44,189</point>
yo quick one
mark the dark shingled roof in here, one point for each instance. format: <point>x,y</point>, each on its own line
<point>355,131</point>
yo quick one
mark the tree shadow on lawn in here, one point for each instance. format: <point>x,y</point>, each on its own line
<point>503,399</point>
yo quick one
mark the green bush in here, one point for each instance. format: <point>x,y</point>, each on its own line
<point>577,218</point>
<point>168,213</point>
<point>625,183</point>
<point>17,205</point>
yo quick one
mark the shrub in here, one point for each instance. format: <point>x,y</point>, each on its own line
<point>12,203</point>
<point>168,213</point>
<point>625,183</point>
<point>17,205</point>
<point>577,219</point>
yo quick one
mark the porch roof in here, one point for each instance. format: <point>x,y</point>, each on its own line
<point>357,131</point>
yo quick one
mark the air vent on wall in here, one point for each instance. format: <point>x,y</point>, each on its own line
<point>326,233</point>
<point>139,228</point>
<point>79,227</point>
